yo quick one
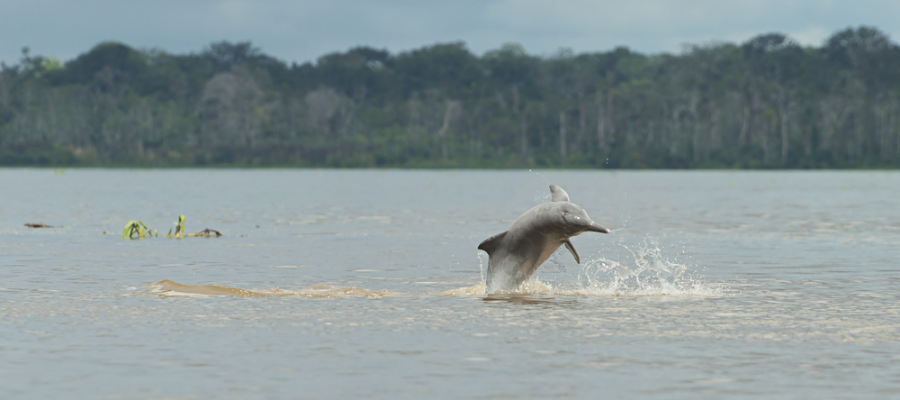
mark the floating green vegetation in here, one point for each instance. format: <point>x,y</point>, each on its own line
<point>179,228</point>
<point>136,230</point>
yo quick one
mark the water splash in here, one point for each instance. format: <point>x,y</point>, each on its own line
<point>481,266</point>
<point>542,196</point>
<point>650,273</point>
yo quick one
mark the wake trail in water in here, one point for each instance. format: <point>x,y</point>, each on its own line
<point>650,273</point>
<point>169,288</point>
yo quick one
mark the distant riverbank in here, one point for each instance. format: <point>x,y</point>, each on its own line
<point>768,103</point>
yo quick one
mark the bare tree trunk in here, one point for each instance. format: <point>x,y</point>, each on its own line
<point>696,141</point>
<point>52,117</point>
<point>450,113</point>
<point>892,128</point>
<point>413,121</point>
<point>785,117</point>
<point>347,124</point>
<point>895,128</point>
<point>582,127</point>
<point>610,123</point>
<point>675,131</point>
<point>696,125</point>
<point>785,105</point>
<point>858,132</point>
<point>562,137</point>
<point>807,141</point>
<point>601,123</point>
<point>883,120</point>
<point>745,126</point>
<point>715,140</point>
<point>833,118</point>
<point>523,132</point>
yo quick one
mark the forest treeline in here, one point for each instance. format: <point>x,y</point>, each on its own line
<point>766,103</point>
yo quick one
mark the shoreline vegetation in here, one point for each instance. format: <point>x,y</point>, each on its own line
<point>768,103</point>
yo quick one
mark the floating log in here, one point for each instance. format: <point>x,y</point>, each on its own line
<point>206,233</point>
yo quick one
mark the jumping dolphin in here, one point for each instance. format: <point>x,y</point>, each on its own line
<point>532,238</point>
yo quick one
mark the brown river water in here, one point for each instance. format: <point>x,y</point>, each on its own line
<point>368,283</point>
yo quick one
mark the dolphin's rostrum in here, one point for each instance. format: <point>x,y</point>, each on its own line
<point>532,238</point>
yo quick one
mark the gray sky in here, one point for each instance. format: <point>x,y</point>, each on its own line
<point>304,30</point>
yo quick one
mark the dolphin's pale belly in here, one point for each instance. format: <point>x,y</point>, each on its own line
<point>518,260</point>
<point>529,242</point>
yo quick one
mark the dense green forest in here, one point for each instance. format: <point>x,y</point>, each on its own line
<point>766,103</point>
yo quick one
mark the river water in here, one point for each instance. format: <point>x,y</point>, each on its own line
<point>332,283</point>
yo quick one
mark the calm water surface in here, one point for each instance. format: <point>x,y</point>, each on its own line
<point>711,285</point>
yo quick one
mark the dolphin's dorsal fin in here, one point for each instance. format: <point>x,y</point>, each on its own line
<point>558,193</point>
<point>572,250</point>
<point>491,243</point>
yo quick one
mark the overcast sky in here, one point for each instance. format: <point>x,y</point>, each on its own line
<point>302,31</point>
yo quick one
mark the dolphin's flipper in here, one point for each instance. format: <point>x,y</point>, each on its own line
<point>571,250</point>
<point>558,193</point>
<point>491,243</point>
